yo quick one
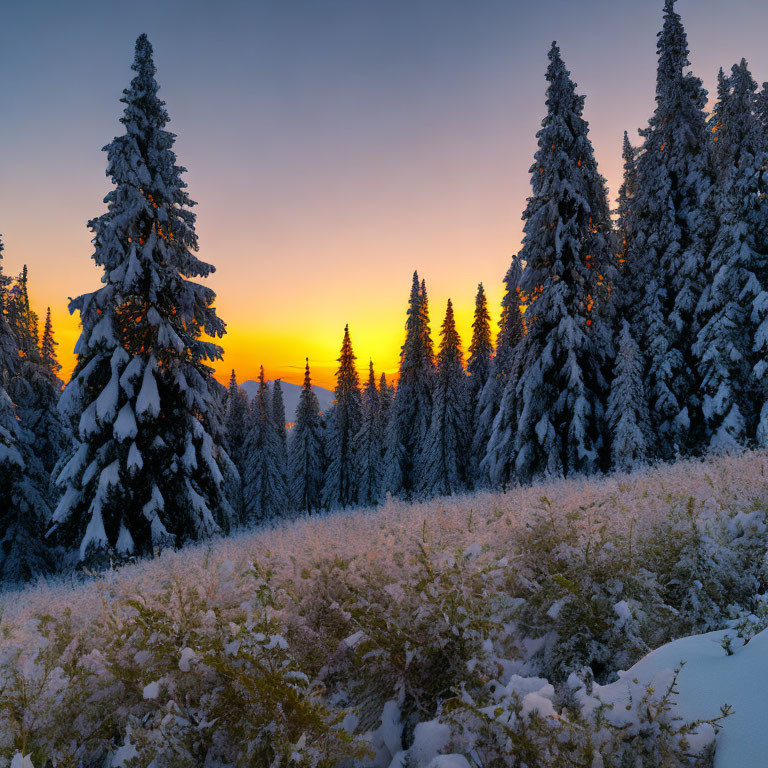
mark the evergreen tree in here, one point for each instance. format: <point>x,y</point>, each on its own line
<point>22,318</point>
<point>236,420</point>
<point>629,284</point>
<point>265,490</point>
<point>141,397</point>
<point>278,409</point>
<point>412,406</point>
<point>386,398</point>
<point>369,445</point>
<point>278,420</point>
<point>48,347</point>
<point>24,512</point>
<point>443,461</point>
<point>512,322</point>
<point>480,361</point>
<point>493,458</point>
<point>721,149</point>
<point>340,487</point>
<point>672,223</point>
<point>627,412</point>
<point>568,250</point>
<point>305,451</point>
<point>35,391</point>
<point>729,323</point>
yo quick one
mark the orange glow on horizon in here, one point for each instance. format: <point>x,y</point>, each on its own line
<point>282,345</point>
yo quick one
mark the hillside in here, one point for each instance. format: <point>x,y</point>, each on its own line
<point>291,393</point>
<point>489,627</point>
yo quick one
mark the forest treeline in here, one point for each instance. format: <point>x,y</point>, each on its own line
<point>625,337</point>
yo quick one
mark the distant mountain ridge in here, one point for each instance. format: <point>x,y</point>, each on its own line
<point>291,394</point>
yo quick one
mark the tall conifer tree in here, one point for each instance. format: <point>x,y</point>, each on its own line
<point>35,391</point>
<point>628,288</point>
<point>672,230</point>
<point>627,408</point>
<point>236,421</point>
<point>266,495</point>
<point>494,458</point>
<point>568,252</point>
<point>141,397</point>
<point>24,512</point>
<point>369,445</point>
<point>729,308</point>
<point>48,347</point>
<point>412,406</point>
<point>627,411</point>
<point>22,318</point>
<point>278,420</point>
<point>386,398</point>
<point>305,451</point>
<point>480,360</point>
<point>340,487</point>
<point>444,457</point>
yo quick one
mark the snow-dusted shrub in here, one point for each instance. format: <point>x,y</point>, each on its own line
<point>587,593</point>
<point>386,612</point>
<point>525,723</point>
<point>194,674</point>
<point>601,595</point>
<point>420,637</point>
<point>48,703</point>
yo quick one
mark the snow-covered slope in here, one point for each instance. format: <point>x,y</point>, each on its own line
<point>511,598</point>
<point>291,393</point>
<point>709,679</point>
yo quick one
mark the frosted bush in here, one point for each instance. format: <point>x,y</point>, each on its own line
<point>328,637</point>
<point>524,723</point>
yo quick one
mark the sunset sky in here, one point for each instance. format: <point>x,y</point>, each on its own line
<point>332,145</point>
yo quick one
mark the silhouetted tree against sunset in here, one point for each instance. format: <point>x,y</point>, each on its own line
<point>340,487</point>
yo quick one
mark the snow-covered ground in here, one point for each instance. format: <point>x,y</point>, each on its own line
<point>709,679</point>
<point>417,620</point>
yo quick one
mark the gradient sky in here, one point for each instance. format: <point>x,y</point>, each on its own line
<point>332,145</point>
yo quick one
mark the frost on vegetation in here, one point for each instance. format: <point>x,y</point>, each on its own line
<point>440,633</point>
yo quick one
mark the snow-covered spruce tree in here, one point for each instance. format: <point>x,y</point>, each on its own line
<point>265,490</point>
<point>369,445</point>
<point>54,430</point>
<point>412,406</point>
<point>480,360</point>
<point>672,233</point>
<point>24,513</point>
<point>734,304</point>
<point>236,421</point>
<point>627,411</point>
<point>22,318</point>
<point>721,147</point>
<point>494,458</point>
<point>568,250</point>
<point>36,389</point>
<point>386,398</point>
<point>340,487</point>
<point>48,346</point>
<point>278,420</point>
<point>628,288</point>
<point>443,462</point>
<point>141,400</point>
<point>305,451</point>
